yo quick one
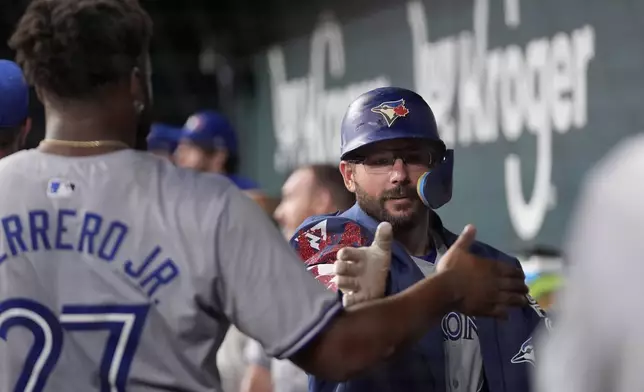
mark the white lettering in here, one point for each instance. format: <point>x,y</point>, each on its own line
<point>512,14</point>
<point>562,83</point>
<point>539,88</point>
<point>468,98</point>
<point>307,116</point>
<point>584,49</point>
<point>512,95</point>
<point>434,71</point>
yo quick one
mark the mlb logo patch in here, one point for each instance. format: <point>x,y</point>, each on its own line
<point>57,188</point>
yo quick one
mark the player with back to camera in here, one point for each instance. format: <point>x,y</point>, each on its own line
<point>123,272</point>
<point>15,123</point>
<point>400,170</point>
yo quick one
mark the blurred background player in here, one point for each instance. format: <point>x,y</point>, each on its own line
<point>309,190</point>
<point>597,343</point>
<point>163,140</point>
<point>15,123</point>
<point>209,143</point>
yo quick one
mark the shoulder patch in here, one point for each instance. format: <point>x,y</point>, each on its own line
<point>318,245</point>
<point>314,235</point>
<point>316,239</point>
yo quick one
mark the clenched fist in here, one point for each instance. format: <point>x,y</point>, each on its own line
<point>361,273</point>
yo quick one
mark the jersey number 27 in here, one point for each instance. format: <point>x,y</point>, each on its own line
<point>124,324</point>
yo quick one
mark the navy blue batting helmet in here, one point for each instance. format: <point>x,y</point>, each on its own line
<point>389,113</point>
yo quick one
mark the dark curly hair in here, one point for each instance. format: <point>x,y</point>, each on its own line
<point>73,47</point>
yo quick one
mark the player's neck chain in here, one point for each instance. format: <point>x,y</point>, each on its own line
<point>84,144</point>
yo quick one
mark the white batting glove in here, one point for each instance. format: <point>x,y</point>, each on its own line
<point>361,273</point>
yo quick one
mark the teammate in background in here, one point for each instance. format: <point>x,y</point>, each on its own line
<point>309,190</point>
<point>209,143</point>
<point>597,344</point>
<point>391,147</point>
<point>123,272</point>
<point>163,140</point>
<point>15,123</point>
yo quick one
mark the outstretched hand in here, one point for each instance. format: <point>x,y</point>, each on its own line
<point>482,287</point>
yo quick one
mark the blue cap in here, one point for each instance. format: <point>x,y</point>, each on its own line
<point>14,95</point>
<point>163,137</point>
<point>211,130</point>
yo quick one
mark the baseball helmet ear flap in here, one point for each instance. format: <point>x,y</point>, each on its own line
<point>435,186</point>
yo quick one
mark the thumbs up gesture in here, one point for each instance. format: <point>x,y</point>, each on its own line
<point>361,273</point>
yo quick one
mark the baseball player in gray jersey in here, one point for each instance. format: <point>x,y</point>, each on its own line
<point>596,344</point>
<point>120,271</point>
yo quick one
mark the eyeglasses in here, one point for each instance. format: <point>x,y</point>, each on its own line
<point>383,162</point>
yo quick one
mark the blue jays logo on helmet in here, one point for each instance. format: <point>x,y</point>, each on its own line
<point>391,110</point>
<point>386,113</point>
<point>525,354</point>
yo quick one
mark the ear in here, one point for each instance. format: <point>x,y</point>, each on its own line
<point>137,89</point>
<point>347,170</point>
<point>141,79</point>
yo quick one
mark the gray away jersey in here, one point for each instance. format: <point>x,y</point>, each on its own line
<point>122,272</point>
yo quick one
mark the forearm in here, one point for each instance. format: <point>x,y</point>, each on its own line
<point>370,332</point>
<point>257,379</point>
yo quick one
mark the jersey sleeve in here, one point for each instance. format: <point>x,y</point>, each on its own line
<point>262,286</point>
